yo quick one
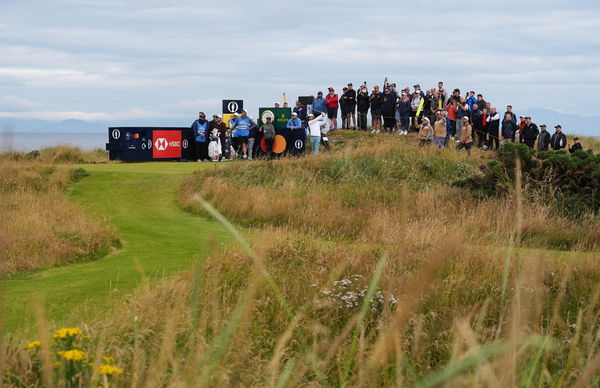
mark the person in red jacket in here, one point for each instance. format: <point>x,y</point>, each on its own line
<point>332,102</point>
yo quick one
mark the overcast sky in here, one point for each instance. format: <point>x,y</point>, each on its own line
<point>124,60</point>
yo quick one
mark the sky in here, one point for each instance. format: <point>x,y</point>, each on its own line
<point>147,60</point>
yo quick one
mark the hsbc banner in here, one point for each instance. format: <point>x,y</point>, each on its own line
<point>167,144</point>
<point>150,143</point>
<point>233,106</point>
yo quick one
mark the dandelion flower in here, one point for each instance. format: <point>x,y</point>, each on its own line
<point>72,355</point>
<point>108,359</point>
<point>109,370</point>
<point>67,332</point>
<point>33,345</point>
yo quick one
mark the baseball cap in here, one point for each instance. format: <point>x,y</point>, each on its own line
<point>330,88</point>
<point>201,114</point>
<point>310,114</point>
<point>543,126</point>
<point>349,83</point>
<point>465,118</point>
<point>416,86</point>
<point>244,111</point>
<point>236,114</point>
<point>575,138</point>
<point>558,126</point>
<point>294,114</point>
<point>319,92</point>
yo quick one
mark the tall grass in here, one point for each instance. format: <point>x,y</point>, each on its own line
<point>430,288</point>
<point>58,154</point>
<point>40,227</point>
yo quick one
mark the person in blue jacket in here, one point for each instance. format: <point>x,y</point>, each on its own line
<point>319,105</point>
<point>241,131</point>
<point>294,123</point>
<point>200,128</point>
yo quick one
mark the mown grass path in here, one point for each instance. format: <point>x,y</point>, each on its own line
<point>158,238</point>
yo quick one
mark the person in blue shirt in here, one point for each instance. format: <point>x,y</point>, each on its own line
<point>200,128</point>
<point>241,131</point>
<point>319,105</point>
<point>294,123</point>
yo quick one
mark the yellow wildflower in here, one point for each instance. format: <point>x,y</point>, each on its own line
<point>108,359</point>
<point>109,370</point>
<point>67,332</point>
<point>73,355</point>
<point>33,345</point>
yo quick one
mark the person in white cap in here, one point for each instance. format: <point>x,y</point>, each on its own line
<point>314,131</point>
<point>294,123</point>
<point>241,128</point>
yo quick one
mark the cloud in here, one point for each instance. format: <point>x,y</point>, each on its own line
<point>114,58</point>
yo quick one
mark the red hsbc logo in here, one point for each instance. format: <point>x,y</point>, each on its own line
<point>167,144</point>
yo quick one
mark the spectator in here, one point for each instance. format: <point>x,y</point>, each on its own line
<point>576,146</point>
<point>376,99</point>
<point>319,105</point>
<point>443,95</point>
<point>388,108</point>
<point>481,102</point>
<point>483,130</point>
<point>201,130</point>
<point>342,103</point>
<point>314,131</point>
<point>466,135</point>
<point>241,129</point>
<point>510,112</point>
<point>451,111</point>
<point>350,101</point>
<point>404,110</point>
<point>543,139</point>
<point>218,124</point>
<point>494,128</point>
<point>425,131</point>
<point>471,99</point>
<point>362,103</point>
<point>522,124</point>
<point>294,123</point>
<point>439,130</point>
<point>530,132</point>
<point>332,102</point>
<point>558,140</point>
<point>417,88</point>
<point>277,105</point>
<point>268,132</point>
<point>414,106</point>
<point>463,111</point>
<point>476,120</point>
<point>301,111</point>
<point>509,128</point>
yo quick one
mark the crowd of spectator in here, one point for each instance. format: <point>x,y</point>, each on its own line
<point>435,115</point>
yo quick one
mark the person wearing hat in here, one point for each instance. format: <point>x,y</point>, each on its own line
<point>314,131</point>
<point>425,132</point>
<point>414,106</point>
<point>241,129</point>
<point>362,105</point>
<point>319,106</point>
<point>466,135</point>
<point>201,130</point>
<point>332,102</point>
<point>530,132</point>
<point>342,103</point>
<point>268,132</point>
<point>218,128</point>
<point>494,128</point>
<point>349,98</point>
<point>558,140</point>
<point>543,141</point>
<point>294,123</point>
<point>521,125</point>
<point>576,146</point>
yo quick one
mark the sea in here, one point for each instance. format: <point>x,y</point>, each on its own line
<point>29,141</point>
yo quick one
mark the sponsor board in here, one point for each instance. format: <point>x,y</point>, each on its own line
<point>166,144</point>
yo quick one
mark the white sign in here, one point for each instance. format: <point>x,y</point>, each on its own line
<point>233,107</point>
<point>116,134</point>
<point>185,143</point>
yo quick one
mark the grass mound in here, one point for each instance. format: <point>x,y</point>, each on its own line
<point>58,154</point>
<point>40,227</point>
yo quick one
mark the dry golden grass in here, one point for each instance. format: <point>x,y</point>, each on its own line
<point>464,301</point>
<point>40,227</point>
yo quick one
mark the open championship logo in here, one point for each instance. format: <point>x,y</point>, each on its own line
<point>233,107</point>
<point>161,144</point>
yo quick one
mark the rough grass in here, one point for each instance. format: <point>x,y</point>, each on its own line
<point>40,227</point>
<point>59,154</point>
<point>473,305</point>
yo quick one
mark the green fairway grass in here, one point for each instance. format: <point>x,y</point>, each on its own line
<point>157,238</point>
